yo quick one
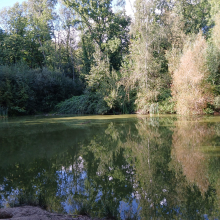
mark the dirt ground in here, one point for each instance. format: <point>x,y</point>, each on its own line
<point>35,213</point>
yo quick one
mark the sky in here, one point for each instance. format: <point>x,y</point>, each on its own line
<point>6,3</point>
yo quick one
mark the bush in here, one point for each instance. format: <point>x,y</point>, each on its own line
<point>191,90</point>
<point>167,106</point>
<point>28,91</point>
<point>89,103</point>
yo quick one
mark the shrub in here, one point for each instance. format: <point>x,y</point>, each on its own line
<point>27,91</point>
<point>167,106</point>
<point>190,88</point>
<point>89,103</point>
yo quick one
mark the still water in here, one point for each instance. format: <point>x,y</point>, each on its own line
<point>127,166</point>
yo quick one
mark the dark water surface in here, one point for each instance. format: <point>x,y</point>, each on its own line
<point>127,167</point>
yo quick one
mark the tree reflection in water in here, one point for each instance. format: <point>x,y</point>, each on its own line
<point>135,167</point>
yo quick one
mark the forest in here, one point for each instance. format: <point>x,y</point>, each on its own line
<point>90,57</point>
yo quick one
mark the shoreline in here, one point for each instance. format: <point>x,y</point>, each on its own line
<point>28,212</point>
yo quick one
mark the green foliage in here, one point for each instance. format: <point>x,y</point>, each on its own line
<point>194,15</point>
<point>27,33</point>
<point>3,111</point>
<point>104,27</point>
<point>213,57</point>
<point>215,8</point>
<point>30,91</point>
<point>102,81</point>
<point>217,102</point>
<point>106,84</point>
<point>213,62</point>
<point>167,106</point>
<point>124,68</point>
<point>208,111</point>
<point>149,67</point>
<point>88,103</point>
<point>165,93</point>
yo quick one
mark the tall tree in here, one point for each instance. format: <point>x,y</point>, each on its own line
<point>194,14</point>
<point>29,28</point>
<point>215,7</point>
<point>15,23</point>
<point>105,27</point>
<point>67,37</point>
<point>149,43</point>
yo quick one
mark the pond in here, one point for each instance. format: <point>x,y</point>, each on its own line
<point>125,166</point>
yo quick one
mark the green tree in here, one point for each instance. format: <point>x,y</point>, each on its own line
<point>28,27</point>
<point>40,16</point>
<point>65,37</point>
<point>148,68</point>
<point>14,19</point>
<point>194,14</point>
<point>215,7</point>
<point>104,26</point>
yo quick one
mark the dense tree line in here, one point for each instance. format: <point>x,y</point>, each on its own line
<point>115,63</point>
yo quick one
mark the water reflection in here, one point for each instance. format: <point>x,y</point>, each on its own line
<point>125,167</point>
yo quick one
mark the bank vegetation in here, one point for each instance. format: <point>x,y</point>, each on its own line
<point>89,57</point>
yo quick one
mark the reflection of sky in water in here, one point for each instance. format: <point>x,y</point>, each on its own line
<point>71,181</point>
<point>70,185</point>
<point>129,211</point>
<point>11,199</point>
<point>116,166</point>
